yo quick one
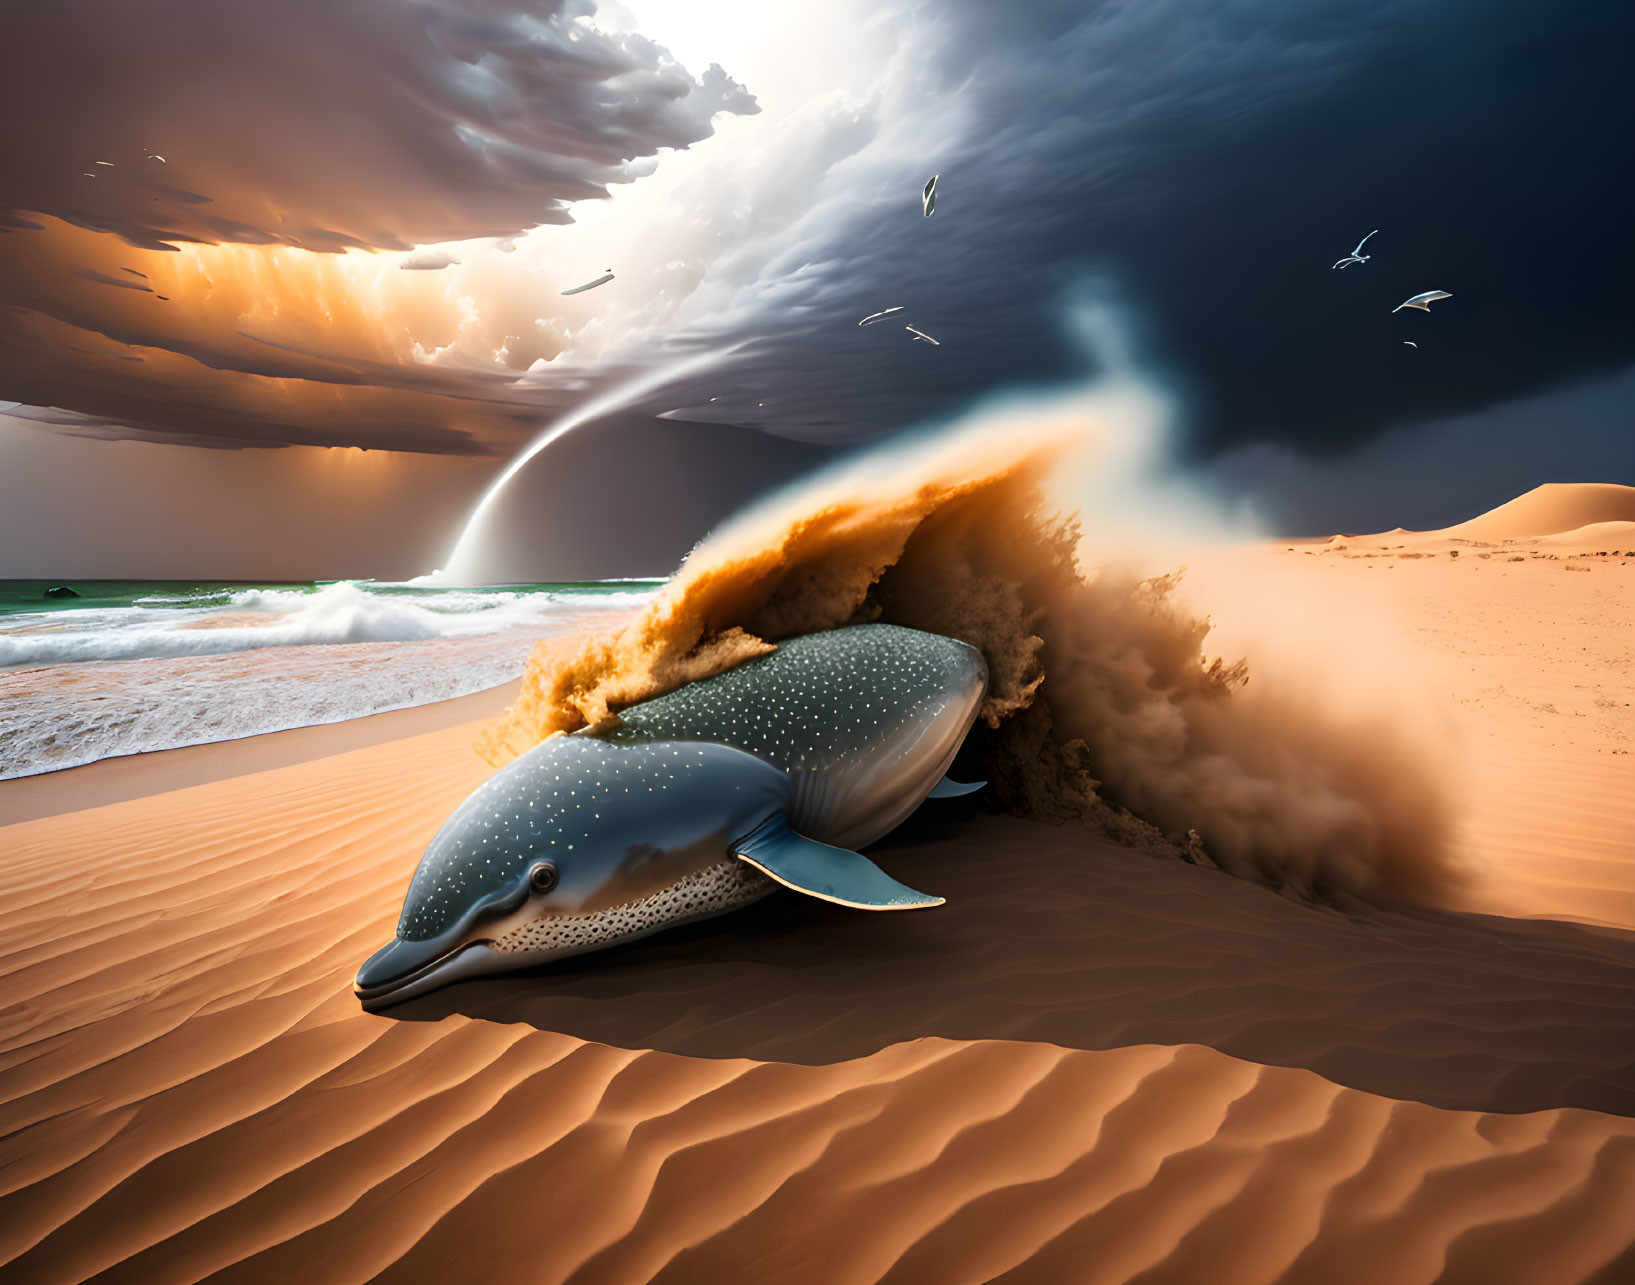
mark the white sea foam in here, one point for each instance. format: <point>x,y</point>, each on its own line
<point>93,683</point>
<point>340,613</point>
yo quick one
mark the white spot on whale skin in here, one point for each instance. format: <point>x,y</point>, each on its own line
<point>710,891</point>
<point>823,707</point>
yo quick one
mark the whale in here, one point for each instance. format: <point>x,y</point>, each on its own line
<point>688,805</point>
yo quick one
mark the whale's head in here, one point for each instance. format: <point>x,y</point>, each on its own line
<point>577,845</point>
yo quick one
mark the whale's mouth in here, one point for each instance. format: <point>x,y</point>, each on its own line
<point>402,969</point>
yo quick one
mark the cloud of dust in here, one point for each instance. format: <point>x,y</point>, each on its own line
<point>804,559</point>
<point>1104,707</point>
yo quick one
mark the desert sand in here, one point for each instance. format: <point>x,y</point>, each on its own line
<point>1094,1064</point>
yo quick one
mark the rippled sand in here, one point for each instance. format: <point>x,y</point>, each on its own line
<point>1091,1065</point>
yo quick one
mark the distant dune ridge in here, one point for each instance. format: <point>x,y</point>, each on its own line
<point>1565,515</point>
<point>1097,1066</point>
<point>1551,509</point>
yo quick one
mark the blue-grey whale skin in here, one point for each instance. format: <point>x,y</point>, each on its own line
<point>697,802</point>
<point>865,721</point>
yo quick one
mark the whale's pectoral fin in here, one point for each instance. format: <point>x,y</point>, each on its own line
<point>839,875</point>
<point>948,788</point>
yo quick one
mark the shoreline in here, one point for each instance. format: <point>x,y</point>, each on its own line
<point>124,777</point>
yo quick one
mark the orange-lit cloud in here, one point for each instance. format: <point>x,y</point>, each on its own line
<point>331,124</point>
<point>205,222</point>
<point>248,345</point>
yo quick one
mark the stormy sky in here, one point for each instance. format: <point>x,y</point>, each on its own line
<point>366,211</point>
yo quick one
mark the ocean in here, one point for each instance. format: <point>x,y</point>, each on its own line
<point>132,666</point>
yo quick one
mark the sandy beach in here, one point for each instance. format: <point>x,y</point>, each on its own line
<point>824,642</point>
<point>1094,1064</point>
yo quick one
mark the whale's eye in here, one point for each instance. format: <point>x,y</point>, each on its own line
<point>542,878</point>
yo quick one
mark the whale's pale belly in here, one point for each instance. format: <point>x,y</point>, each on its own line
<point>865,720</point>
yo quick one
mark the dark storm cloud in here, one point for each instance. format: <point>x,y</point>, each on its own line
<point>235,389</point>
<point>101,278</point>
<point>323,124</point>
<point>591,514</point>
<point>331,124</point>
<point>1205,160</point>
<point>73,424</point>
<point>1210,160</point>
<point>156,512</point>
<point>1430,475</point>
<point>103,370</point>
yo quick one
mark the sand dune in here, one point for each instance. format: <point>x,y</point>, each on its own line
<point>1092,1065</point>
<point>189,1088</point>
<point>1611,536</point>
<point>1559,517</point>
<point>1550,509</point>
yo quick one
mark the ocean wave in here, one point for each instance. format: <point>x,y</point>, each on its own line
<point>214,624</point>
<point>69,715</point>
<point>197,598</point>
<point>56,716</point>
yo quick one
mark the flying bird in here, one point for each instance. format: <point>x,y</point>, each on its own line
<point>1356,256</point>
<point>920,334</point>
<point>928,198</point>
<point>875,316</point>
<point>591,285</point>
<point>1423,301</point>
<point>1410,343</point>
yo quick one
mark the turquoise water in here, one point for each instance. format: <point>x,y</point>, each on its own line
<point>138,665</point>
<point>152,619</point>
<point>28,596</point>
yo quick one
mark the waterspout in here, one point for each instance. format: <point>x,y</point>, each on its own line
<point>458,569</point>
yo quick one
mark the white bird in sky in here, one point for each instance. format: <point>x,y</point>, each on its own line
<point>1356,256</point>
<point>591,285</point>
<point>920,334</point>
<point>875,316</point>
<point>1423,301</point>
<point>1410,343</point>
<point>928,198</point>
